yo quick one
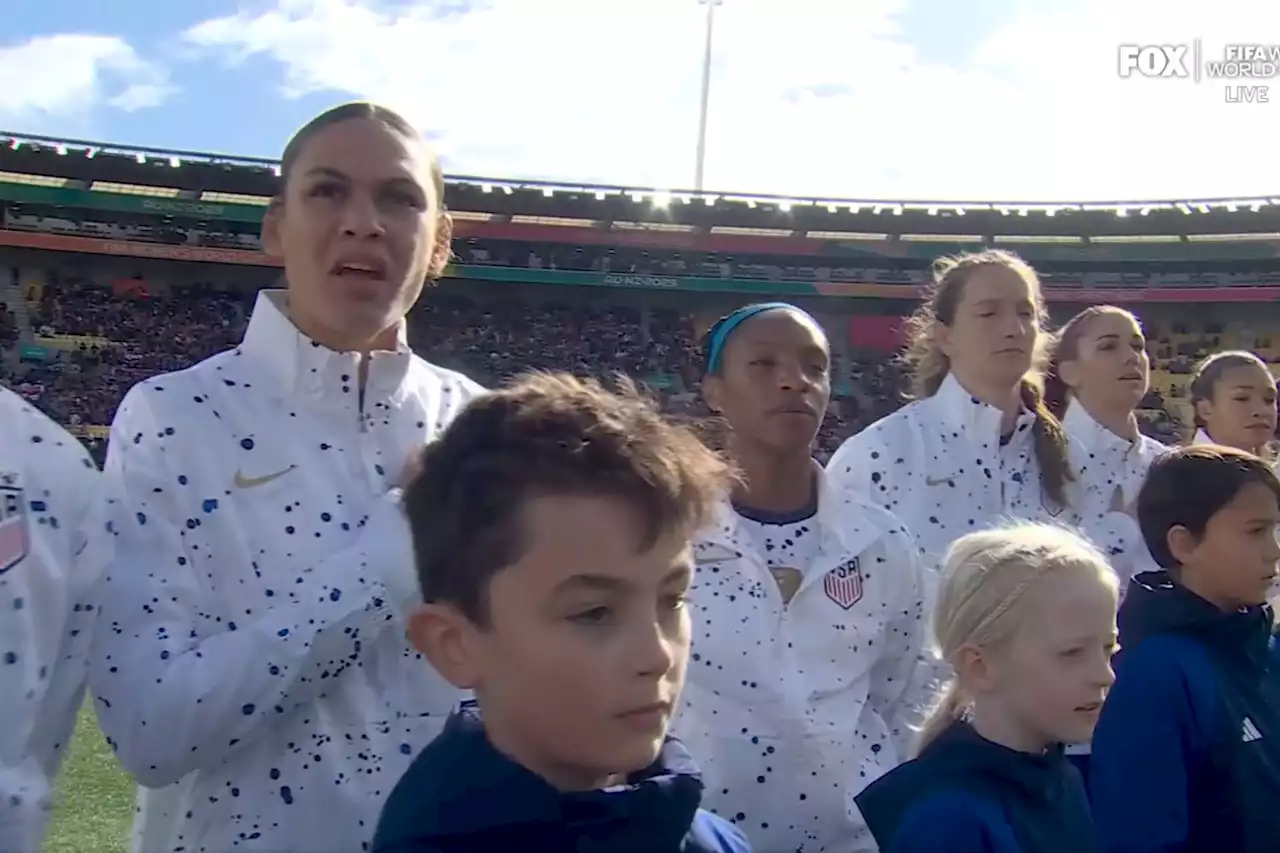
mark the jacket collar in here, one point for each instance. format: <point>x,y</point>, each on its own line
<point>1096,438</point>
<point>964,413</point>
<point>480,789</point>
<point>303,366</point>
<point>847,524</point>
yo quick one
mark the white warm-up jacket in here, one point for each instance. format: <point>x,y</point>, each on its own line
<point>939,465</point>
<point>249,664</point>
<point>47,487</point>
<point>791,709</point>
<point>1110,471</point>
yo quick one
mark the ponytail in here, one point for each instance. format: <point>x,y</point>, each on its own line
<point>949,710</point>
<point>1050,442</point>
<point>1056,393</point>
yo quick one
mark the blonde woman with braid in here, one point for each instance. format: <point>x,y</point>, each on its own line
<point>1025,618</point>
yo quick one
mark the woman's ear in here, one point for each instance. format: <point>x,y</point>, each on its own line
<point>711,390</point>
<point>1069,373</point>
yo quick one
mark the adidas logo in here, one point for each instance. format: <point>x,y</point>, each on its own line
<point>1251,732</point>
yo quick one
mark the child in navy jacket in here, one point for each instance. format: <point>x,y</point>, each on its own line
<point>1026,617</point>
<point>552,526</point>
<point>1186,756</point>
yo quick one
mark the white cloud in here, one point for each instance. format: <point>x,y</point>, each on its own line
<point>809,97</point>
<point>68,75</point>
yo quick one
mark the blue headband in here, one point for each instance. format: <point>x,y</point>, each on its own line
<point>720,333</point>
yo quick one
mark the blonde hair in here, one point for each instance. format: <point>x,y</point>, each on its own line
<point>986,579</point>
<point>928,366</point>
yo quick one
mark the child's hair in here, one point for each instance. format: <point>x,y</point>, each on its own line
<point>548,434</point>
<point>986,577</point>
<point>1187,486</point>
<point>928,366</point>
<point>1205,377</point>
<point>1065,346</point>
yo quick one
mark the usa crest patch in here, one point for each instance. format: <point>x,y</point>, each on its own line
<point>843,584</point>
<point>15,533</point>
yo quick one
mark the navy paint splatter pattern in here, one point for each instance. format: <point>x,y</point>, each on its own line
<point>786,545</point>
<point>47,487</point>
<point>248,659</point>
<point>939,464</point>
<point>792,709</point>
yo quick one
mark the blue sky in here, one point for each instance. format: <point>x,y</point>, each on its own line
<point>900,99</point>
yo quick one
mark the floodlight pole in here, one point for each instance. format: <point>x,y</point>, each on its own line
<point>706,92</point>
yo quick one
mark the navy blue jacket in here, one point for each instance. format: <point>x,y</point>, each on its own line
<point>461,795</point>
<point>1186,754</point>
<point>965,794</point>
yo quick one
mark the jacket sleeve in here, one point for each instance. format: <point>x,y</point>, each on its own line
<point>43,629</point>
<point>893,692</point>
<point>1147,737</point>
<point>177,686</point>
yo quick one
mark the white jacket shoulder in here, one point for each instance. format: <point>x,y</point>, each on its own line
<point>854,464</point>
<point>48,452</point>
<point>456,382</point>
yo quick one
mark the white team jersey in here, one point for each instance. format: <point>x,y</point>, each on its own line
<point>47,487</point>
<point>792,709</point>
<point>940,465</point>
<point>250,666</point>
<point>1110,471</point>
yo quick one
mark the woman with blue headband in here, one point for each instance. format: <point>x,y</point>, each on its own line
<point>807,605</point>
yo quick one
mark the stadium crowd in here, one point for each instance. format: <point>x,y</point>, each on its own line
<point>125,337</point>
<point>121,338</point>
<point>491,338</point>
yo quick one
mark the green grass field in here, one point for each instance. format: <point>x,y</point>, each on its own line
<point>93,804</point>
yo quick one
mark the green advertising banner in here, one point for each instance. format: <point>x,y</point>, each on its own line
<point>524,275</point>
<point>123,203</point>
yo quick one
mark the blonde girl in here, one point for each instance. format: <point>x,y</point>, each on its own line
<point>1025,618</point>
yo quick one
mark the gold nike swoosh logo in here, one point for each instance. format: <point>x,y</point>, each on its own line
<point>937,481</point>
<point>243,482</point>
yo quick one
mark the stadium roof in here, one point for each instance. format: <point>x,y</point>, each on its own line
<point>249,180</point>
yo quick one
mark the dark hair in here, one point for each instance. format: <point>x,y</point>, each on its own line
<point>347,112</point>
<point>548,434</point>
<point>928,366</point>
<point>1187,486</point>
<point>1066,347</point>
<point>1204,379</point>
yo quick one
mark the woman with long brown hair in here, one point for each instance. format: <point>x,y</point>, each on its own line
<point>977,444</point>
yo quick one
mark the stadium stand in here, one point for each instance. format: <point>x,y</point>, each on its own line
<point>130,262</point>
